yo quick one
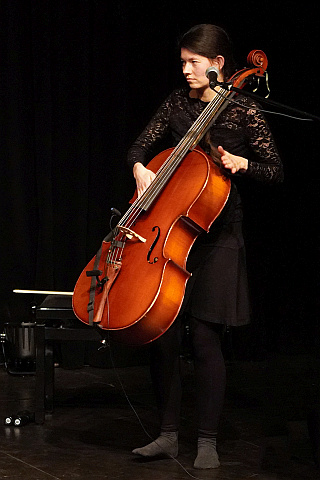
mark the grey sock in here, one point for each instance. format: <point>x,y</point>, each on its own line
<point>207,454</point>
<point>165,445</point>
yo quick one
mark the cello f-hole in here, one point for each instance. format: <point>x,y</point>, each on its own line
<point>153,245</point>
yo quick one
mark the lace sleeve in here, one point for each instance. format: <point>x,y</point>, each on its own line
<point>156,130</point>
<point>266,165</point>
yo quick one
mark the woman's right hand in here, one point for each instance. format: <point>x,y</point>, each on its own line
<point>143,177</point>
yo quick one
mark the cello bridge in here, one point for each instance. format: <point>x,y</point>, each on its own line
<point>131,234</point>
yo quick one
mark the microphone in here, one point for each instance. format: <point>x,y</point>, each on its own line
<point>212,73</point>
<point>114,211</point>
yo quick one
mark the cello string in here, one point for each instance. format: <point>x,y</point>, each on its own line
<point>168,167</point>
<point>177,155</point>
<point>180,150</point>
<point>166,170</point>
<point>194,134</point>
<point>199,127</point>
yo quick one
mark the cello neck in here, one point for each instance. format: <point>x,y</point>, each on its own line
<point>205,120</point>
<point>186,144</point>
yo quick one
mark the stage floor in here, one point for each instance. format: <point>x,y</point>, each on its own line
<point>264,431</point>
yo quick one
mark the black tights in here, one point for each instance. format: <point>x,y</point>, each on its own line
<point>210,375</point>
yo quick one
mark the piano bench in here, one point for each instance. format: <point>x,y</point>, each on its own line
<point>55,322</point>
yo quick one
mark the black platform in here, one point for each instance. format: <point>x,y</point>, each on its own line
<point>101,413</point>
<point>93,429</point>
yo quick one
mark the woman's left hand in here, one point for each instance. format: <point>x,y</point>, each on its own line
<point>232,162</point>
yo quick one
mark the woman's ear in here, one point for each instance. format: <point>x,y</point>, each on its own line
<point>219,61</point>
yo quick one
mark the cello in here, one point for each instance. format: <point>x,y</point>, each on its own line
<point>134,286</point>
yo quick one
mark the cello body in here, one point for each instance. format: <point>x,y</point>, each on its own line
<point>148,291</point>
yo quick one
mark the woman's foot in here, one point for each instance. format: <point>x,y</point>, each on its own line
<point>165,445</point>
<point>207,454</point>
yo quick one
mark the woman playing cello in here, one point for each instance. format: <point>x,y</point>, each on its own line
<point>217,292</point>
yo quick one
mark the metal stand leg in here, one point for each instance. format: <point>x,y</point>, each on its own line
<point>40,374</point>
<point>49,378</point>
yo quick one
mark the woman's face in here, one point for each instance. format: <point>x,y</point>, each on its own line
<point>194,69</point>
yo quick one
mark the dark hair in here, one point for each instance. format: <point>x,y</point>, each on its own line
<point>209,41</point>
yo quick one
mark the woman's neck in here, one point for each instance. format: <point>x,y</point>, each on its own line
<point>205,95</point>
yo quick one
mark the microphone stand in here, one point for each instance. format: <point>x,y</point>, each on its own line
<point>230,87</point>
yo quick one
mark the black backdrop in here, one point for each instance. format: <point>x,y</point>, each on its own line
<point>79,80</point>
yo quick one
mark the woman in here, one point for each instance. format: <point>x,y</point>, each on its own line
<point>217,293</point>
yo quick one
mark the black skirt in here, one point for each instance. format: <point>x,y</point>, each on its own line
<point>218,289</point>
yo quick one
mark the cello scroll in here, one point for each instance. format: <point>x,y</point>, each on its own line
<point>256,59</point>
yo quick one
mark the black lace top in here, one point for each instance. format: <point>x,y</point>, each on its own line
<point>241,129</point>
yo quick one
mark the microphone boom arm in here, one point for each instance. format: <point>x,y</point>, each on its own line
<point>228,86</point>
